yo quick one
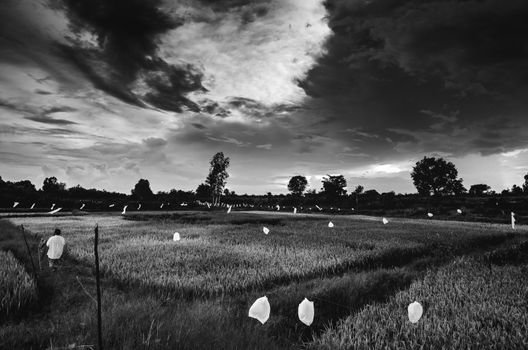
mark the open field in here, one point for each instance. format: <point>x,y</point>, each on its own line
<point>195,293</point>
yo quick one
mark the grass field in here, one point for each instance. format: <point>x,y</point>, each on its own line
<point>195,293</point>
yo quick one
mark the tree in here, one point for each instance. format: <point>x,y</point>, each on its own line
<point>371,195</point>
<point>516,190</point>
<point>24,187</point>
<point>297,185</point>
<point>334,186</point>
<point>479,189</point>
<point>203,191</point>
<point>436,176</point>
<point>218,175</point>
<point>525,184</point>
<point>357,192</point>
<point>52,186</point>
<point>142,190</point>
<point>458,188</point>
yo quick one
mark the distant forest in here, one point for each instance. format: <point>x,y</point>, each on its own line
<point>439,191</point>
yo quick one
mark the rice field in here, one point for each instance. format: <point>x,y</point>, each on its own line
<point>361,275</point>
<point>17,289</point>
<point>221,256</point>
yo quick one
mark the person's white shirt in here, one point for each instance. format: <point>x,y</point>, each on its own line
<point>55,246</point>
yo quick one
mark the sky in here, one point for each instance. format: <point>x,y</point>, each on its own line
<point>102,93</point>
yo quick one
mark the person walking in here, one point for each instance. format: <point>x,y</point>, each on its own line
<point>55,246</point>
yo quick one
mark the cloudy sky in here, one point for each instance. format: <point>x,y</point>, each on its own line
<point>102,93</point>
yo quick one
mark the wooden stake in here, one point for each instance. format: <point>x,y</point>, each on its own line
<point>98,285</point>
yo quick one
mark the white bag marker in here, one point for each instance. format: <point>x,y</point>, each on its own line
<point>161,206</point>
<point>513,220</point>
<point>415,311</point>
<point>139,206</point>
<point>176,237</point>
<point>124,210</point>
<point>385,221</point>
<point>111,205</point>
<point>318,207</point>
<point>229,209</point>
<point>330,224</point>
<point>55,211</point>
<point>52,206</point>
<point>430,215</point>
<point>295,210</point>
<point>82,206</point>
<point>15,204</point>
<point>260,309</point>
<point>265,230</point>
<point>278,207</point>
<point>306,312</point>
<point>459,211</point>
<point>33,206</point>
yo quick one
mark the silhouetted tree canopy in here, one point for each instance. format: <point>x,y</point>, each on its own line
<point>479,189</point>
<point>142,190</point>
<point>516,190</point>
<point>297,185</point>
<point>52,186</point>
<point>334,186</point>
<point>435,176</point>
<point>204,191</point>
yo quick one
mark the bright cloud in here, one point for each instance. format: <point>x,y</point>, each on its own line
<point>261,60</point>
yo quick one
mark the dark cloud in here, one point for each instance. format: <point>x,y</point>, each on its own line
<point>127,33</point>
<point>48,120</point>
<point>154,142</point>
<point>59,109</point>
<point>389,60</point>
<point>43,92</point>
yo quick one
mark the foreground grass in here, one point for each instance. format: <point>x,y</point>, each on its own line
<point>17,290</point>
<point>466,305</point>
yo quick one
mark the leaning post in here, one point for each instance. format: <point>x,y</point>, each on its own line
<point>98,286</point>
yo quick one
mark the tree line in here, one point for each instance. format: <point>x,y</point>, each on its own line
<point>432,177</point>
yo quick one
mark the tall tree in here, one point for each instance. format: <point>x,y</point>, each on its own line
<point>525,184</point>
<point>435,176</point>
<point>52,186</point>
<point>334,186</point>
<point>142,190</point>
<point>297,185</point>
<point>218,175</point>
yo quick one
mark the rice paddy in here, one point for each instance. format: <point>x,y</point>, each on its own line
<point>361,275</point>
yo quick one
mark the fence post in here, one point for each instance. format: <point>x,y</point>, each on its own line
<point>98,285</point>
